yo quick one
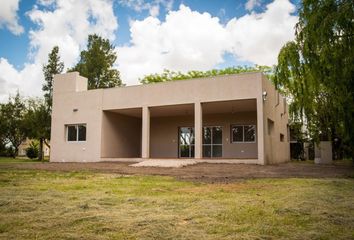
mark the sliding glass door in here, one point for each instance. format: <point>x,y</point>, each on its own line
<point>212,142</point>
<point>186,142</point>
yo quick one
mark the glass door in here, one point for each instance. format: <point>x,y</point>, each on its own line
<point>186,142</point>
<point>212,141</point>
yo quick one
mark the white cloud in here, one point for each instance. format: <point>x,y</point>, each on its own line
<point>258,38</point>
<point>64,23</point>
<point>153,7</point>
<point>189,40</point>
<point>8,16</point>
<point>251,4</point>
<point>186,39</point>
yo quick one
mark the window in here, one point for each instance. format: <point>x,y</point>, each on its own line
<point>243,133</point>
<point>76,133</point>
<point>282,137</point>
<point>212,141</point>
<point>270,124</point>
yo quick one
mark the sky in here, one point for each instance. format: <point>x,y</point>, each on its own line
<point>149,36</point>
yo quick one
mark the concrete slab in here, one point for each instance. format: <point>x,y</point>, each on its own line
<point>165,163</point>
<point>203,160</point>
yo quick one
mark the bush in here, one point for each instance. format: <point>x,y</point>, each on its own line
<point>32,150</point>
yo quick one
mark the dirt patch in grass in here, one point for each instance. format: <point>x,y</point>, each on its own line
<point>203,172</point>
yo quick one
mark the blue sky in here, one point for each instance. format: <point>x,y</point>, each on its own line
<point>149,35</point>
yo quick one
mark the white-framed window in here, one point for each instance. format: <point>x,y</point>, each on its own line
<point>243,133</point>
<point>75,132</point>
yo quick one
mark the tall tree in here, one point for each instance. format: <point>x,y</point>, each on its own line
<point>39,114</point>
<point>96,63</point>
<point>12,122</point>
<point>37,120</point>
<point>54,66</point>
<point>317,68</point>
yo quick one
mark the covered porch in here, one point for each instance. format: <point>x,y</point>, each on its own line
<point>222,131</point>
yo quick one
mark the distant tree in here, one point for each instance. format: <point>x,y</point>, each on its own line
<point>37,120</point>
<point>54,66</point>
<point>12,122</point>
<point>96,64</point>
<point>317,69</point>
<point>169,75</point>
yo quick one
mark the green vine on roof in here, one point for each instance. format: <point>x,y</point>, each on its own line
<point>168,75</point>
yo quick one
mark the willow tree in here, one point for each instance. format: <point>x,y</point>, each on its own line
<point>317,72</point>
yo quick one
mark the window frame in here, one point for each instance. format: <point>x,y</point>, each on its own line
<point>77,132</point>
<point>243,133</point>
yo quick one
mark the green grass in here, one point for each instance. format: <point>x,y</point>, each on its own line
<point>85,205</point>
<point>17,160</point>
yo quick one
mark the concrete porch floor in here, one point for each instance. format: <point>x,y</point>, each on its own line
<point>178,161</point>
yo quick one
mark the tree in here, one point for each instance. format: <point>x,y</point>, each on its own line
<point>37,120</point>
<point>54,66</point>
<point>317,69</point>
<point>96,64</point>
<point>12,122</point>
<point>168,75</point>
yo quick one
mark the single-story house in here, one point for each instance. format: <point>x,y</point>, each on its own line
<point>22,149</point>
<point>238,118</point>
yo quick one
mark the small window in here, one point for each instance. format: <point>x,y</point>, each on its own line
<point>243,133</point>
<point>76,133</point>
<point>282,137</point>
<point>82,132</point>
<point>250,133</point>
<point>270,126</point>
<point>72,133</point>
<point>237,134</point>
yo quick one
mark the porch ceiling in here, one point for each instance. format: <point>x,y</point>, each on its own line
<point>248,105</point>
<point>173,110</point>
<point>132,112</point>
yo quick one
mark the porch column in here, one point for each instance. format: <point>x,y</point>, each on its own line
<point>198,130</point>
<point>260,131</point>
<point>145,144</point>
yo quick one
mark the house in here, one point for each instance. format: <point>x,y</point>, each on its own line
<point>25,144</point>
<point>237,118</point>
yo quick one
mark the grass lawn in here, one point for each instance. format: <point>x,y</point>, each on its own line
<point>17,160</point>
<point>85,205</point>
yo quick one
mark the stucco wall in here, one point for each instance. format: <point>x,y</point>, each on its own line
<point>221,88</point>
<point>71,107</point>
<point>164,134</point>
<point>70,92</point>
<point>121,136</point>
<point>234,150</point>
<point>275,110</point>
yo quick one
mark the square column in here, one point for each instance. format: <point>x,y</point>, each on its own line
<point>198,130</point>
<point>145,136</point>
<point>260,131</point>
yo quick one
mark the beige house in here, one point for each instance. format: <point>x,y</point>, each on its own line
<point>233,118</point>
<point>25,144</point>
